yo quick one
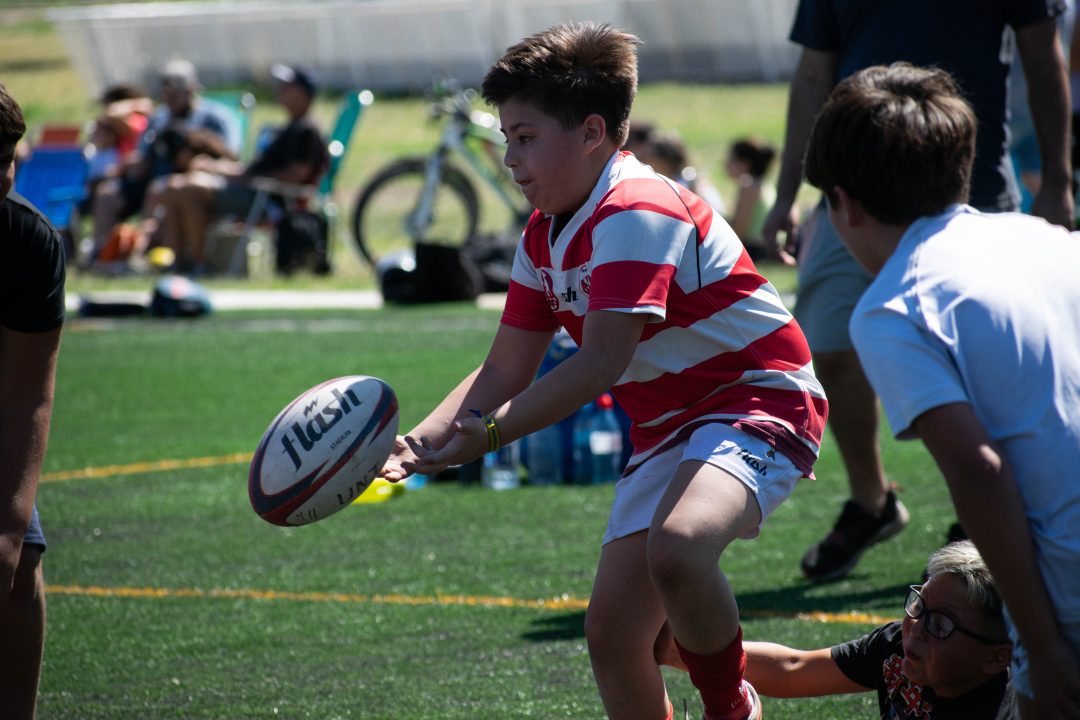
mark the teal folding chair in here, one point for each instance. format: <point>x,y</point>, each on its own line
<point>241,106</point>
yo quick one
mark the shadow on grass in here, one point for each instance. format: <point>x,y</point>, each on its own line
<point>570,626</point>
<point>807,597</point>
<point>753,605</point>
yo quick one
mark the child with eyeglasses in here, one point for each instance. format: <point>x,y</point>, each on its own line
<point>948,658</point>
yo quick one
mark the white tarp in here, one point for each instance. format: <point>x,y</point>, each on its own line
<point>393,45</point>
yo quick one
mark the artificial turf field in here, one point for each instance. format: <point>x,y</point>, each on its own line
<point>170,598</point>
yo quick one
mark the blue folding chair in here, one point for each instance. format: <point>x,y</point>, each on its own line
<point>54,180</point>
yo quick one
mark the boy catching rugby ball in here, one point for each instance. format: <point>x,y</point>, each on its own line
<point>673,318</point>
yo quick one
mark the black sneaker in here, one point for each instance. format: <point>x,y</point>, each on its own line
<point>852,535</point>
<point>956,533</point>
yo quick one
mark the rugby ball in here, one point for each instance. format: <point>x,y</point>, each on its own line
<point>323,450</point>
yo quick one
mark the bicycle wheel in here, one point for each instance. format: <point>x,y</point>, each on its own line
<point>384,220</point>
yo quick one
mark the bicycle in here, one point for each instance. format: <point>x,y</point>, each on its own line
<point>431,199</point>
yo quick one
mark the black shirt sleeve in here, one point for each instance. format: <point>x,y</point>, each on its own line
<point>32,272</point>
<point>862,659</point>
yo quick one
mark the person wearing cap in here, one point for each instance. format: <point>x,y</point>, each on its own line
<point>182,110</point>
<point>296,156</point>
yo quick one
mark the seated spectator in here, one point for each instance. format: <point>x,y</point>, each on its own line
<point>127,108</point>
<point>948,657</point>
<point>182,110</point>
<point>123,249</point>
<point>665,151</point>
<point>124,116</point>
<point>748,162</point>
<point>297,155</point>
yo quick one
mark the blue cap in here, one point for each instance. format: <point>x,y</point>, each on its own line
<point>302,76</point>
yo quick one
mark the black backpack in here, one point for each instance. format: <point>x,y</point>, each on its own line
<point>441,273</point>
<point>302,243</point>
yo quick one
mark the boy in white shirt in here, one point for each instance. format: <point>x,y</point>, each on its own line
<point>969,335</point>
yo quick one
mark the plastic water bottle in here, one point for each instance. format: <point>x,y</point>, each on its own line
<point>581,447</point>
<point>605,441</point>
<point>502,468</point>
<point>543,453</point>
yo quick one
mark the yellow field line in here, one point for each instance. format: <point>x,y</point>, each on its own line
<point>145,467</point>
<point>560,603</point>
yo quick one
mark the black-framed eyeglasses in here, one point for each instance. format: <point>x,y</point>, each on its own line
<point>936,622</point>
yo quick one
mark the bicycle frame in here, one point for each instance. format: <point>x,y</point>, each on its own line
<point>464,125</point>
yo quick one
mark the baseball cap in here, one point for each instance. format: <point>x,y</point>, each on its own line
<point>180,74</point>
<point>302,76</point>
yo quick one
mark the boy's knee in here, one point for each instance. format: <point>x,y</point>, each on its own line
<point>28,587</point>
<point>669,559</point>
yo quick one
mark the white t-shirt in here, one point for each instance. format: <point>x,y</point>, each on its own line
<point>985,309</point>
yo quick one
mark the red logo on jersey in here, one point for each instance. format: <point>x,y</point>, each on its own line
<point>586,279</point>
<point>549,290</point>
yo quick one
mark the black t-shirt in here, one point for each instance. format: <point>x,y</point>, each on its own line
<point>31,269</point>
<point>299,141</point>
<point>875,661</point>
<point>963,37</point>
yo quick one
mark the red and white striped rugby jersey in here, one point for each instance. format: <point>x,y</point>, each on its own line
<point>720,345</point>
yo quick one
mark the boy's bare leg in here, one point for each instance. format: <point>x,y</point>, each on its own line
<point>624,617</point>
<point>22,625</point>
<point>703,511</point>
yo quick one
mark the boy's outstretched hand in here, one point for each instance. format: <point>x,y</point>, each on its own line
<point>469,441</point>
<point>401,455</point>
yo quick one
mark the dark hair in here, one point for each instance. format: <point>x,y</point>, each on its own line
<point>121,91</point>
<point>570,72</point>
<point>756,153</point>
<point>12,124</point>
<point>638,133</point>
<point>668,146</point>
<point>899,139</point>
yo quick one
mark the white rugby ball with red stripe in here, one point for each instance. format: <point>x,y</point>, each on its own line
<point>323,450</point>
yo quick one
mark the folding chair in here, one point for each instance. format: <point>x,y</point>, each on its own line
<point>318,198</point>
<point>241,105</point>
<point>53,178</point>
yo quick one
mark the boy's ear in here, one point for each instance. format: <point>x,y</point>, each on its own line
<point>595,130</point>
<point>849,208</point>
<point>998,661</point>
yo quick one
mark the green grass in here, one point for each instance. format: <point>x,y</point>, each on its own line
<point>142,391</point>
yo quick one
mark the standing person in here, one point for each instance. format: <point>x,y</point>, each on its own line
<point>31,314</point>
<point>748,162</point>
<point>671,316</point>
<point>948,659</point>
<point>969,334</point>
<point>963,37</point>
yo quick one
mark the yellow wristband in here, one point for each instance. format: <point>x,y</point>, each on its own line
<point>492,433</point>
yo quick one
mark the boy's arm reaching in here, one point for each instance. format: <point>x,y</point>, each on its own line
<point>776,670</point>
<point>779,671</point>
<point>509,368</point>
<point>1048,97</point>
<point>990,508</point>
<point>608,344</point>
